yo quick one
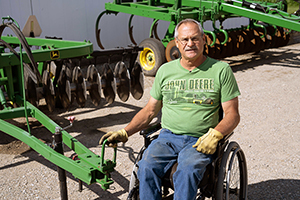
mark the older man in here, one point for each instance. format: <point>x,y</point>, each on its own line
<point>190,92</point>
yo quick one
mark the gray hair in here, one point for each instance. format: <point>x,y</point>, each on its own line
<point>188,21</point>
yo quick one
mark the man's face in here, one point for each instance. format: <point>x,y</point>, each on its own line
<point>190,42</point>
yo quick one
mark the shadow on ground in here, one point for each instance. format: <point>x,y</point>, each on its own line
<point>274,190</point>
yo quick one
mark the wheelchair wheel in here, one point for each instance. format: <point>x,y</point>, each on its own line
<point>232,180</point>
<point>134,182</point>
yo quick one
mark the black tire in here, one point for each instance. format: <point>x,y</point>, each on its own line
<point>232,177</point>
<point>152,57</point>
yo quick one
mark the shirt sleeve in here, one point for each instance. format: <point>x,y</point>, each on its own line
<point>156,90</point>
<point>229,86</point>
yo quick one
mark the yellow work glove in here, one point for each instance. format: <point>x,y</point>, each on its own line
<point>208,142</point>
<point>114,136</point>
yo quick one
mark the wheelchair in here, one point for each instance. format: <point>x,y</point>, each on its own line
<point>225,178</point>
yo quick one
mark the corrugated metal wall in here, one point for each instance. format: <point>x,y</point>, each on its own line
<point>75,20</point>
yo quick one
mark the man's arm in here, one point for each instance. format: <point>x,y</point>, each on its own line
<point>231,117</point>
<point>208,142</point>
<point>144,116</point>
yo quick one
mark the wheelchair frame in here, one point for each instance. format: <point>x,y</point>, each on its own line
<point>218,178</point>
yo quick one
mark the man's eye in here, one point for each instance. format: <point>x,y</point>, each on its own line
<point>186,40</point>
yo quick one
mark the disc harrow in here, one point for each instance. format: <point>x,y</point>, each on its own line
<point>70,77</point>
<point>53,73</point>
<point>269,26</point>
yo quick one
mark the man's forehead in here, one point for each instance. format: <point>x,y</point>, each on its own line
<point>188,34</point>
<point>188,28</point>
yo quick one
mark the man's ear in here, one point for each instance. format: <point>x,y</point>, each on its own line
<point>176,43</point>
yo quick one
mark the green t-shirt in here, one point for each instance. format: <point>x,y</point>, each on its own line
<point>191,100</point>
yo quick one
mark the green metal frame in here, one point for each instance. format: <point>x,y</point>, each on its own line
<point>203,10</point>
<point>90,168</point>
<point>48,47</point>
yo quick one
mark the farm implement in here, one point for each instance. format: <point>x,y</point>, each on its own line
<point>269,26</point>
<point>64,72</point>
<point>34,68</point>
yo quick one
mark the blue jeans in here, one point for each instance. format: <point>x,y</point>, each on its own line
<point>161,154</point>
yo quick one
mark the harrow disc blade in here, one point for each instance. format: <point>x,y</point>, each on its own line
<point>282,37</point>
<point>258,40</point>
<point>52,69</point>
<point>137,81</point>
<point>122,81</point>
<point>207,48</point>
<point>271,36</point>
<point>233,40</point>
<point>30,85</point>
<point>80,92</point>
<point>264,36</point>
<point>31,94</point>
<point>255,41</point>
<point>49,92</point>
<point>94,81</point>
<point>107,81</point>
<point>226,48</point>
<point>242,42</point>
<point>64,88</point>
<point>286,38</point>
<point>216,49</point>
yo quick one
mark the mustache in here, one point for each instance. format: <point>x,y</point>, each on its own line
<point>190,48</point>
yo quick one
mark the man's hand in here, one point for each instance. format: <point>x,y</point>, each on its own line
<point>114,136</point>
<point>208,142</point>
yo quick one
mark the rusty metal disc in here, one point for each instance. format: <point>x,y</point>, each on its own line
<point>172,52</point>
<point>243,41</point>
<point>49,91</point>
<point>107,82</point>
<point>30,85</point>
<point>216,48</point>
<point>254,39</point>
<point>94,80</point>
<point>64,88</point>
<point>286,37</point>
<point>268,38</point>
<point>137,81</point>
<point>227,47</point>
<point>282,37</point>
<point>271,35</point>
<point>207,49</point>
<point>122,81</point>
<point>80,92</point>
<point>261,40</point>
<point>31,94</point>
<point>233,37</point>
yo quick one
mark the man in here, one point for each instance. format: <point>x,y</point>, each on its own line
<point>189,91</point>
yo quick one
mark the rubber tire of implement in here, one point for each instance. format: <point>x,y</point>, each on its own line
<point>172,52</point>
<point>152,57</point>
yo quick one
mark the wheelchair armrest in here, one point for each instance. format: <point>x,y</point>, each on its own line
<point>225,139</point>
<point>152,128</point>
<point>222,144</point>
<point>227,136</point>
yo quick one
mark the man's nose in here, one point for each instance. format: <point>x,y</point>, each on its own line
<point>190,42</point>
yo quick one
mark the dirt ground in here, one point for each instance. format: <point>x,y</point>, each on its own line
<point>268,133</point>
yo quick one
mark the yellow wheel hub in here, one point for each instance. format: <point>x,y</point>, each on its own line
<point>147,59</point>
